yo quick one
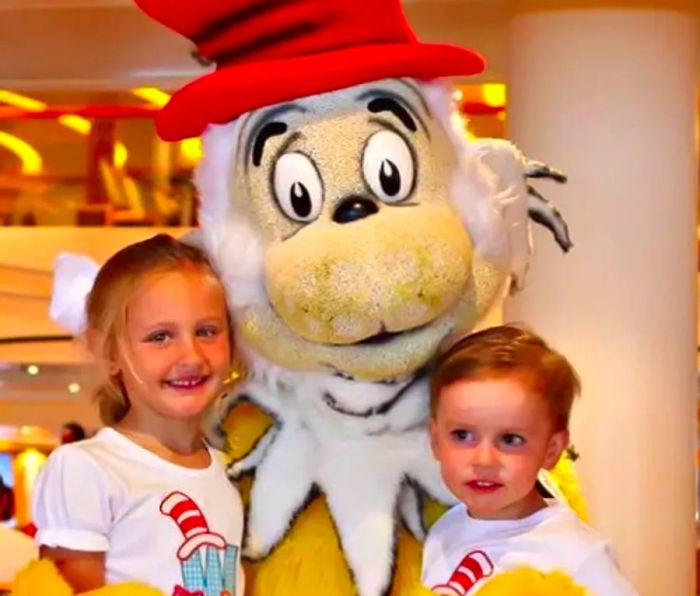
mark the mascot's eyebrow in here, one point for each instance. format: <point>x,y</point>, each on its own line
<point>268,126</point>
<point>386,101</point>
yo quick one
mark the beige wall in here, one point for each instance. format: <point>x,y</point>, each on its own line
<point>50,414</point>
<point>26,261</point>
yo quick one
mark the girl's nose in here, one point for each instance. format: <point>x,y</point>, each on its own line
<point>191,351</point>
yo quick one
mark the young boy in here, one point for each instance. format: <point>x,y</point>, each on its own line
<point>500,404</point>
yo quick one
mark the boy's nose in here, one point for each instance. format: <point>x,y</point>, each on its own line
<point>484,454</point>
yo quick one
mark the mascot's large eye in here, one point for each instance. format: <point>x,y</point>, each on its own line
<point>388,166</point>
<point>298,187</point>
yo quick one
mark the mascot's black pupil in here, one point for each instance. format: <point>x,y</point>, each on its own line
<point>390,178</point>
<point>301,201</point>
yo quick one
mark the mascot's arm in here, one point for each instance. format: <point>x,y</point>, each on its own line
<point>563,483</point>
<point>519,202</point>
<point>529,582</point>
<point>41,578</point>
<point>253,458</point>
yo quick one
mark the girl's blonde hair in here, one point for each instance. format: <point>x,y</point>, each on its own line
<point>114,286</point>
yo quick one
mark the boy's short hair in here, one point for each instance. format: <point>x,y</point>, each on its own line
<point>510,351</point>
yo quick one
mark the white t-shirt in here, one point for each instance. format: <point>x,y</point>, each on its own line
<point>461,553</point>
<point>175,528</point>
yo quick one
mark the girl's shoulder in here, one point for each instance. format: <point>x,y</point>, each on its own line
<point>93,448</point>
<point>81,458</point>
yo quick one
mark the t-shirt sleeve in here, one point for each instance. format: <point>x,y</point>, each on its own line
<point>600,574</point>
<point>71,502</point>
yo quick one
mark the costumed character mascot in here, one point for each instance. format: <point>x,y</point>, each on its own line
<point>357,232</point>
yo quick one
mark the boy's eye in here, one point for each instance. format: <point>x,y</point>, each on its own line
<point>462,435</point>
<point>513,440</point>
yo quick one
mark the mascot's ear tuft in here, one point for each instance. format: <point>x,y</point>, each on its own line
<point>215,171</point>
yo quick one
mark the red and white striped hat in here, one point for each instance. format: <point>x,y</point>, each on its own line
<point>472,568</point>
<point>191,522</point>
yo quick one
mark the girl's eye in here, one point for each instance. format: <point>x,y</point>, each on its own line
<point>158,337</point>
<point>207,331</point>
<point>462,435</point>
<point>513,440</point>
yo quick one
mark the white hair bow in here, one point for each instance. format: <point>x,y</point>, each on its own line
<point>74,276</point>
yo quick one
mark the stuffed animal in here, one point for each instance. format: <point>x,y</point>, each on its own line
<point>357,232</point>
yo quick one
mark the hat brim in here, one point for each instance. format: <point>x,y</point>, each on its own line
<point>228,92</point>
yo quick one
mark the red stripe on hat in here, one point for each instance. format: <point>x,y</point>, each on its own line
<point>472,564</point>
<point>183,507</point>
<point>193,523</point>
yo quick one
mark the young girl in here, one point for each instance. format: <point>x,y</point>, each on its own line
<point>145,499</point>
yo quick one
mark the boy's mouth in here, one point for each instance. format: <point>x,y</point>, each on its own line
<point>483,486</point>
<point>186,383</point>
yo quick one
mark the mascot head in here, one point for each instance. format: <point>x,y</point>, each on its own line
<point>354,231</point>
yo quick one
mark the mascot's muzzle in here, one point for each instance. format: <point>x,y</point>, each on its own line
<point>396,271</point>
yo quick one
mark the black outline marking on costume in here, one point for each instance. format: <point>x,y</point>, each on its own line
<point>387,94</point>
<point>266,117</point>
<point>379,410</point>
<point>378,105</point>
<point>266,132</point>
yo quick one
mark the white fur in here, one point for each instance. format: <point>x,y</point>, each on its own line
<point>312,445</point>
<point>232,241</point>
<point>488,189</point>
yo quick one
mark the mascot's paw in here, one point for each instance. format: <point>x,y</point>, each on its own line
<point>236,470</point>
<point>530,582</point>
<point>126,589</point>
<point>41,578</point>
<point>254,549</point>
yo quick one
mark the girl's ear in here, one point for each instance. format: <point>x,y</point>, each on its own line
<point>557,443</point>
<point>106,354</point>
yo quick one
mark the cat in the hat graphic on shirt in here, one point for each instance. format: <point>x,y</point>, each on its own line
<point>474,567</point>
<point>208,563</point>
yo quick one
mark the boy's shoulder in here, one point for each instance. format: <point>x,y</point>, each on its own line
<point>564,529</point>
<point>554,529</point>
<point>451,525</point>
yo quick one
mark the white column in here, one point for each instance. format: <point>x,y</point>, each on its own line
<point>607,92</point>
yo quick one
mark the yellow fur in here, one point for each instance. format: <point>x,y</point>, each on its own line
<point>41,578</point>
<point>564,475</point>
<point>529,582</point>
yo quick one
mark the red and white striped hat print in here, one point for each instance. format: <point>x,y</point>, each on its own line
<point>191,522</point>
<point>472,568</point>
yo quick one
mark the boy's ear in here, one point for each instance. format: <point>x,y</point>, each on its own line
<point>557,443</point>
<point>432,433</point>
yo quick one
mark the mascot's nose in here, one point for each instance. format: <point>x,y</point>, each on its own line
<point>354,208</point>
